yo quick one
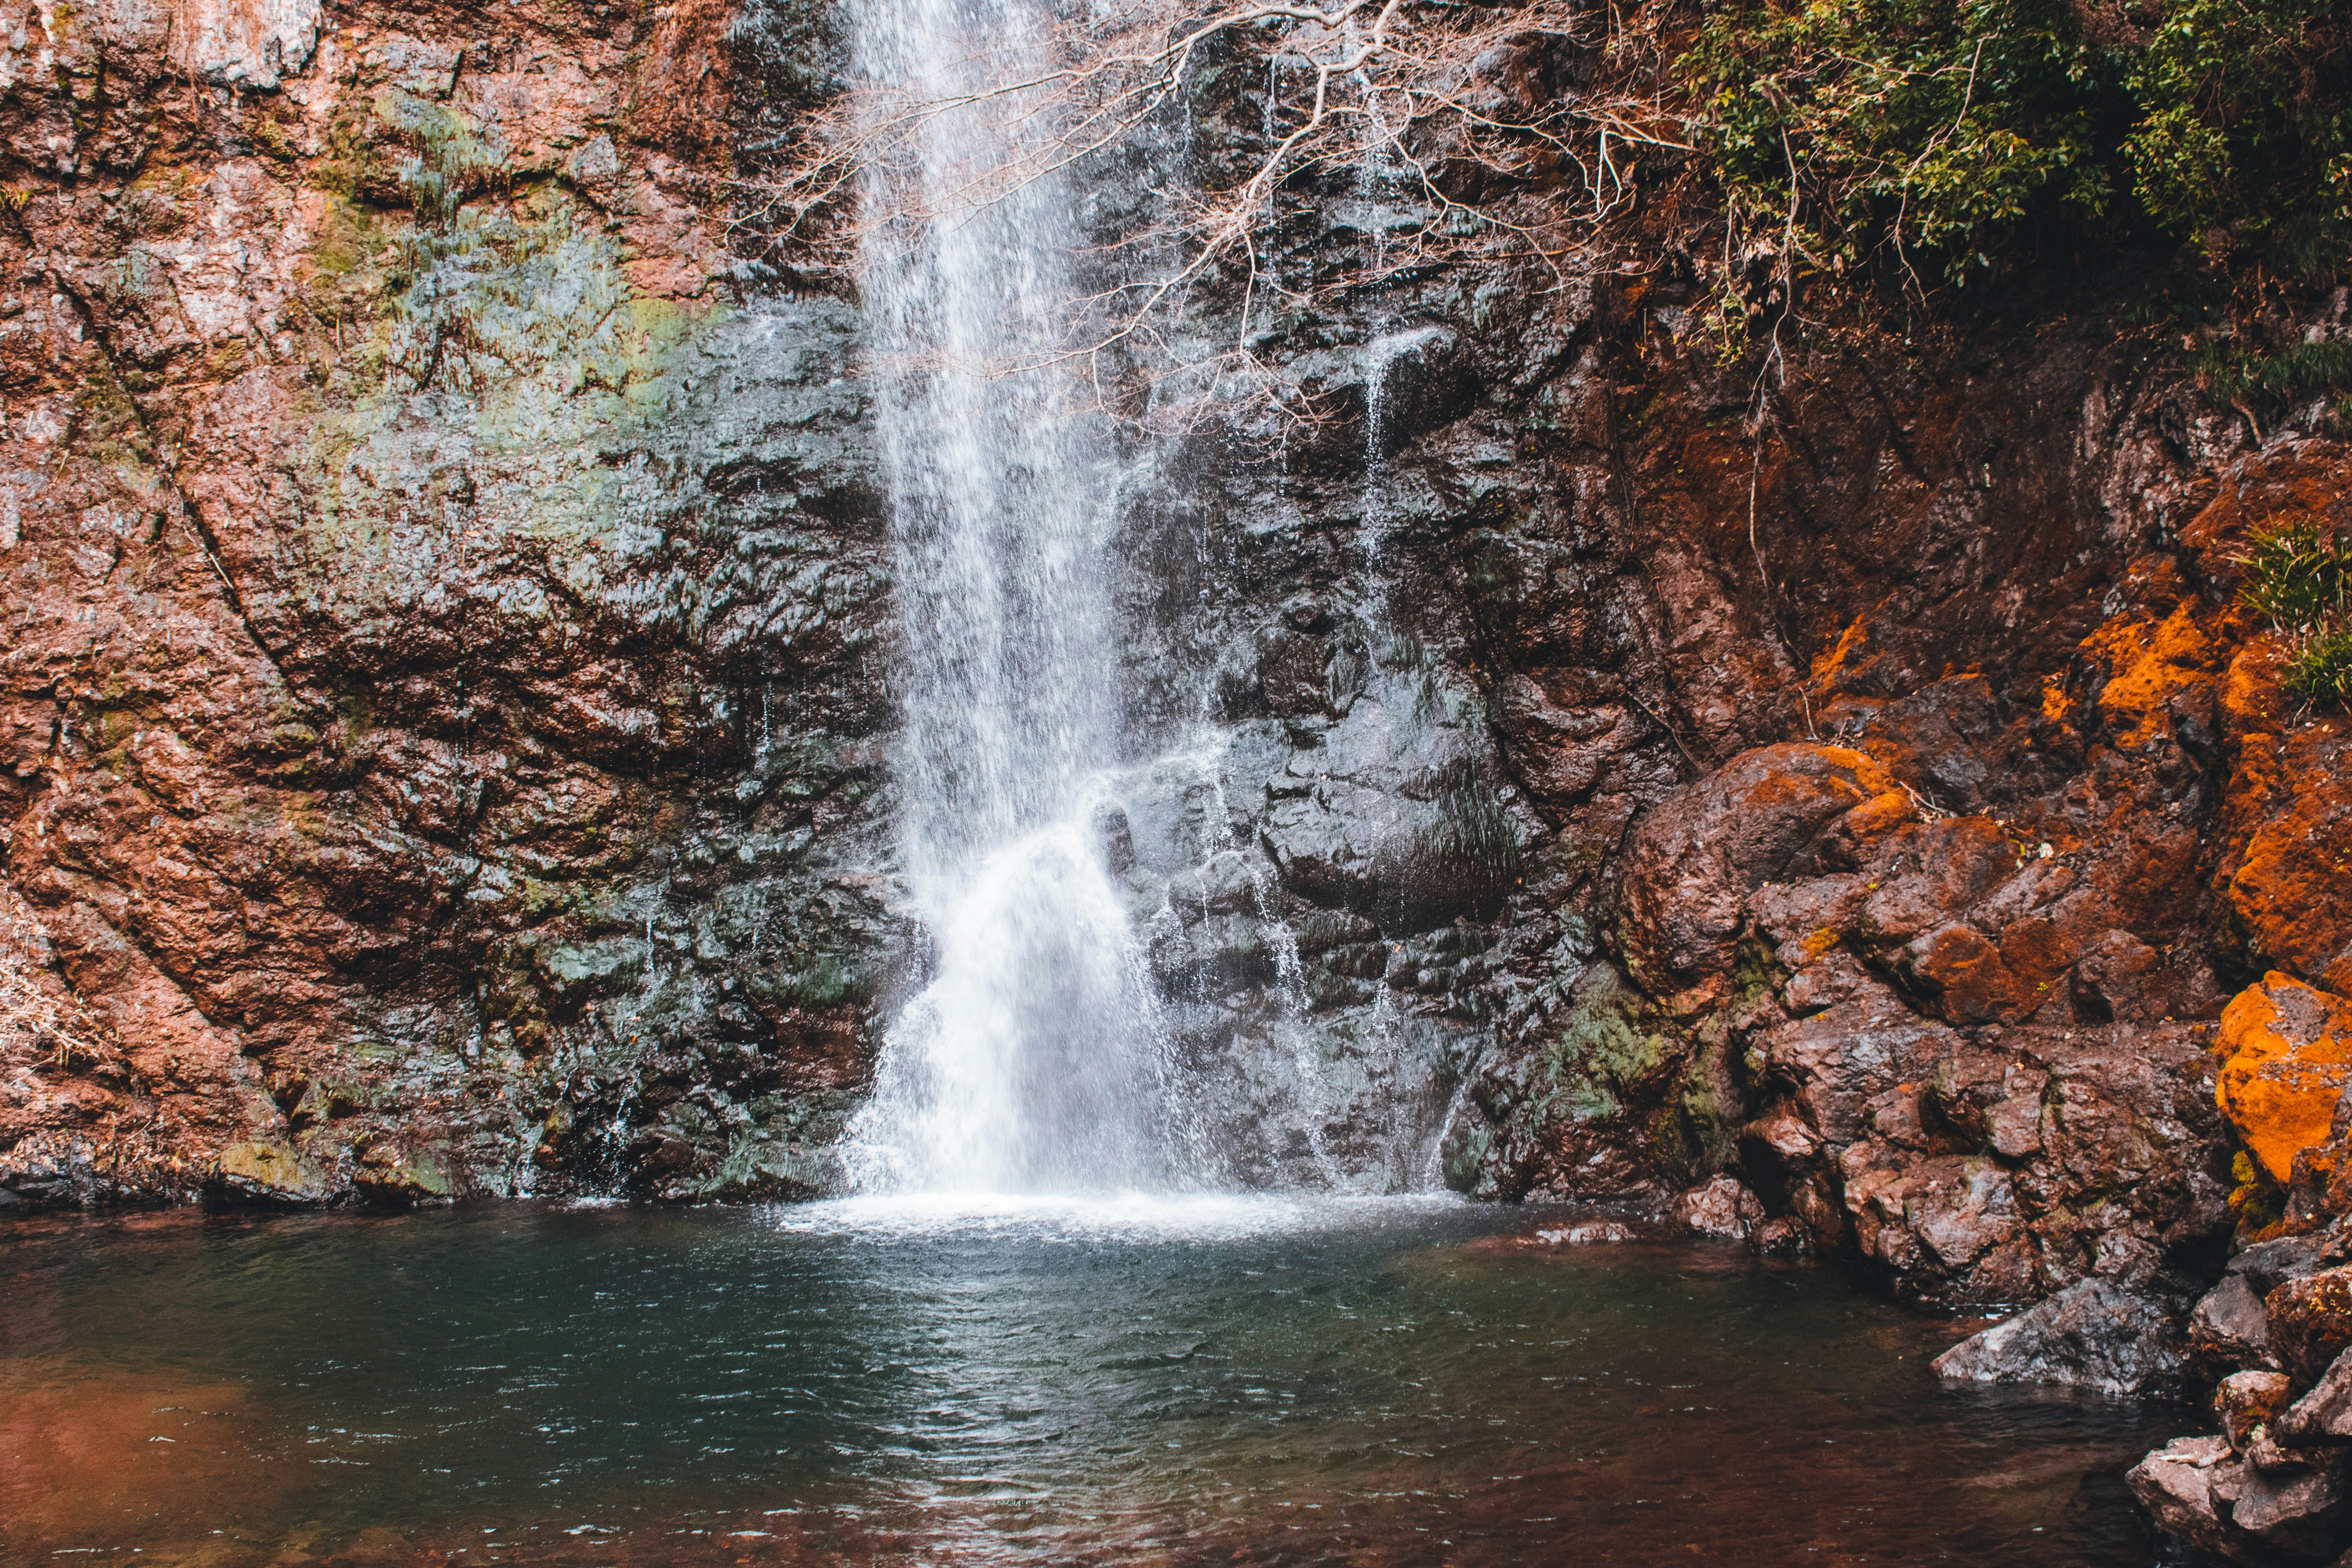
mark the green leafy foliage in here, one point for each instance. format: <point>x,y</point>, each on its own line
<point>1926,125</point>
<point>1929,131</point>
<point>2244,122</point>
<point>2233,371</point>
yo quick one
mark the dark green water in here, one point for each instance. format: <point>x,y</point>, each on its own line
<point>1236,1381</point>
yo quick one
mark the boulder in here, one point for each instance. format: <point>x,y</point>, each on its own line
<point>2176,1485</point>
<point>2294,1512</point>
<point>2246,1400</point>
<point>2289,1049</point>
<point>268,1174</point>
<point>2229,1326</point>
<point>2093,1335</point>
<point>2310,1323</point>
<point>387,1176</point>
<point>1720,1207</point>
<point>2325,1413</point>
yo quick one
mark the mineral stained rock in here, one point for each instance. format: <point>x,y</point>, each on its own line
<point>2310,1323</point>
<point>446,717</point>
<point>2289,1058</point>
<point>2274,1334</point>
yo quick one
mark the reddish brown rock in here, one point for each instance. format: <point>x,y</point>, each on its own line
<point>2310,1323</point>
<point>336,721</point>
<point>1694,862</point>
<point>2324,1414</point>
<point>2176,1485</point>
<point>386,716</point>
<point>2245,1400</point>
<point>2298,1511</point>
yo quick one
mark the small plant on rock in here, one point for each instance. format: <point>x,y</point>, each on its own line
<point>2319,665</point>
<point>2295,575</point>
<point>2298,578</point>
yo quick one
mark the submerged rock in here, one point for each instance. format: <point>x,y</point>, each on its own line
<point>2094,1335</point>
<point>1585,1233</point>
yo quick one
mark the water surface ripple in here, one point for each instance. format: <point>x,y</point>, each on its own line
<point>1180,1381</point>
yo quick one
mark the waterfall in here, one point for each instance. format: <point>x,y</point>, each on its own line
<point>1034,1059</point>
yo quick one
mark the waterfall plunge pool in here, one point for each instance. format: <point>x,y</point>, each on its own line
<point>1172,1381</point>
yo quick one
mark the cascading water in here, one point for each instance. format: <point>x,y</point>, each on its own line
<point>1033,1060</point>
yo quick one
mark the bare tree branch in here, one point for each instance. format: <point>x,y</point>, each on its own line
<point>1463,118</point>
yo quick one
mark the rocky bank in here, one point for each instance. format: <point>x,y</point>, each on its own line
<point>445,713</point>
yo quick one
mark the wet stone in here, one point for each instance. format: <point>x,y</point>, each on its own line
<point>2176,1484</point>
<point>2092,1335</point>
<point>2310,1323</point>
<point>2245,1400</point>
<point>2228,1327</point>
<point>2295,1514</point>
<point>2325,1413</point>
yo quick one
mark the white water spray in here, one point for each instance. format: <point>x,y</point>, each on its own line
<point>1033,1061</point>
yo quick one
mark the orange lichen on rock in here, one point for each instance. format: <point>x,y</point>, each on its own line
<point>2151,665</point>
<point>2289,1057</point>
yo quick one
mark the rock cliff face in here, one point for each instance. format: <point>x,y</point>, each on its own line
<point>447,708</point>
<point>438,713</point>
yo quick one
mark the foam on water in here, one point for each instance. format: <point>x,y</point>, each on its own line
<point>1115,1216</point>
<point>1031,1061</point>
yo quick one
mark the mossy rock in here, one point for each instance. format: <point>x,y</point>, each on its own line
<point>268,1174</point>
<point>427,1177</point>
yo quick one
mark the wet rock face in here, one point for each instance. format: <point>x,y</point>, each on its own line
<point>435,744</point>
<point>2239,1508</point>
